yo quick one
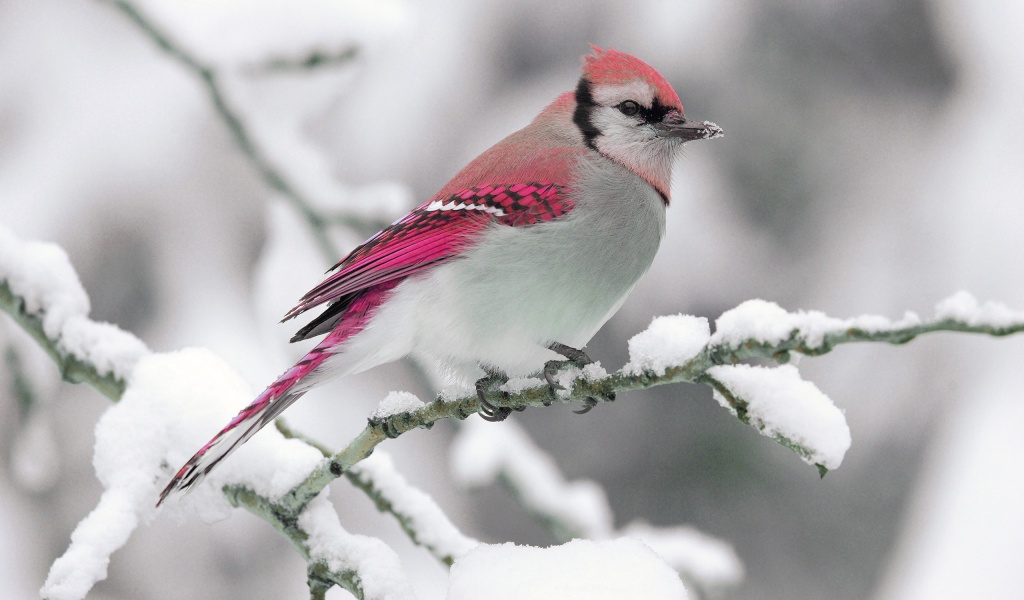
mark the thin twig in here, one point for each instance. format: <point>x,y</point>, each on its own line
<point>210,79</point>
<point>313,60</point>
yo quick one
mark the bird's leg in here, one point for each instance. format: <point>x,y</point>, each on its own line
<point>488,411</point>
<point>576,358</point>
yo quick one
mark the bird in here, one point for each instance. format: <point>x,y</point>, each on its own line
<point>513,265</point>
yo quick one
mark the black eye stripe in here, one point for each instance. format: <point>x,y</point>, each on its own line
<point>656,113</point>
<point>581,117</point>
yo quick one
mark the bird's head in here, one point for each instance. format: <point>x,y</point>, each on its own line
<point>629,113</point>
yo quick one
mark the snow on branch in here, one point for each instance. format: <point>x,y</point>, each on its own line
<point>679,348</point>
<point>41,291</point>
<point>169,404</point>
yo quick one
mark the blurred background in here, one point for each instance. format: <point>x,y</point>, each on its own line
<point>871,164</point>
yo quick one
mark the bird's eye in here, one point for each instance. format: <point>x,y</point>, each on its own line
<point>629,108</point>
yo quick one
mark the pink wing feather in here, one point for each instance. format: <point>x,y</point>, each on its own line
<point>435,232</point>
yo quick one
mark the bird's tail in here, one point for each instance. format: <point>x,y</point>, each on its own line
<point>288,388</point>
<point>356,313</point>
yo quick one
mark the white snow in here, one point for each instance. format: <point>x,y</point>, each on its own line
<point>482,452</point>
<point>668,341</point>
<point>173,404</point>
<point>395,403</point>
<point>594,371</point>
<point>963,307</point>
<point>769,323</point>
<point>433,528</point>
<point>578,570</point>
<point>518,384</point>
<point>706,561</point>
<point>781,404</point>
<point>379,570</point>
<point>41,274</point>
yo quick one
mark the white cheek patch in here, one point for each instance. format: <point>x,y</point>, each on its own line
<point>619,130</point>
<point>612,94</point>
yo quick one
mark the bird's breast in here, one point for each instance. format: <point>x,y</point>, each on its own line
<point>519,288</point>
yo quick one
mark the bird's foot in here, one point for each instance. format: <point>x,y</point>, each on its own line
<point>576,358</point>
<point>488,411</point>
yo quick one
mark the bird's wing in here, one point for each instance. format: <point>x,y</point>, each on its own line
<point>436,232</point>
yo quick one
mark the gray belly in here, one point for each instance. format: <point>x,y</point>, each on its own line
<point>525,287</point>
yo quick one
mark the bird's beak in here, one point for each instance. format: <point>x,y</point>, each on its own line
<point>676,125</point>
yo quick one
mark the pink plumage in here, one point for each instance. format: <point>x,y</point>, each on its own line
<point>614,67</point>
<point>550,228</point>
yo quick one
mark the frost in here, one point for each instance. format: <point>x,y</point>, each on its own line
<point>481,453</point>
<point>785,407</point>
<point>395,403</point>
<point>578,570</point>
<point>669,341</point>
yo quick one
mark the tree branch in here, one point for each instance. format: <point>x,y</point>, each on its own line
<point>320,573</point>
<point>805,337</point>
<point>72,368</point>
<point>313,60</point>
<point>807,333</point>
<point>210,78</point>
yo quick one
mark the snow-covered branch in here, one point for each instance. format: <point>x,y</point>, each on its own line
<point>170,402</point>
<point>680,348</point>
<point>40,290</point>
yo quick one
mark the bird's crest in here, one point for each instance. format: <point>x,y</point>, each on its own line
<point>613,67</point>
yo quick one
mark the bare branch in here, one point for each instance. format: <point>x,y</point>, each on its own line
<point>314,60</point>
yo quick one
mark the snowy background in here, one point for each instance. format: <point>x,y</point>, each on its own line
<point>871,164</point>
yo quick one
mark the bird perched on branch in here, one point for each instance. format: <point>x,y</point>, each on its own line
<point>516,262</point>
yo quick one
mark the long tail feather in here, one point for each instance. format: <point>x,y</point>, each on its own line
<point>264,409</point>
<point>281,394</point>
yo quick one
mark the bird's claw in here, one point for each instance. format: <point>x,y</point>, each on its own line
<point>576,358</point>
<point>488,411</point>
<point>551,369</point>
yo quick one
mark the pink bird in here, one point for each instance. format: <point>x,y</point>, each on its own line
<point>515,263</point>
